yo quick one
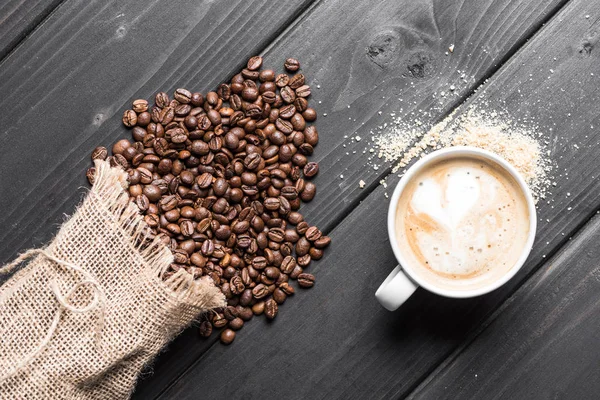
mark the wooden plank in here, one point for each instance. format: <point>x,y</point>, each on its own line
<point>18,18</point>
<point>65,88</point>
<point>543,343</point>
<point>338,342</point>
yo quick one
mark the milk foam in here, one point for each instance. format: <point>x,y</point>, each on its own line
<point>461,218</point>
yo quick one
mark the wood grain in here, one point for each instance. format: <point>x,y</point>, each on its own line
<point>339,342</point>
<point>18,18</point>
<point>543,342</point>
<point>65,88</point>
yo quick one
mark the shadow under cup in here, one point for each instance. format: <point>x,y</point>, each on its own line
<point>413,270</point>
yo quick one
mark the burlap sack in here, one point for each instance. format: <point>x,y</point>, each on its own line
<point>83,317</point>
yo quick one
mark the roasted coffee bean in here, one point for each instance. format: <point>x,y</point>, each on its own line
<point>296,272</point>
<point>259,263</point>
<point>267,75</point>
<point>289,192</point>
<point>152,220</point>
<point>288,95</point>
<point>100,153</point>
<point>249,94</point>
<point>286,288</point>
<point>162,99</point>
<point>292,65</point>
<point>236,324</point>
<point>258,308</point>
<point>252,161</point>
<point>302,246</point>
<point>143,119</point>
<point>287,111</point>
<point>130,118</point>
<point>296,81</point>
<point>315,254</point>
<point>291,236</point>
<point>288,264</point>
<point>279,296</point>
<point>309,192</point>
<point>276,234</point>
<point>311,169</point>
<point>205,329</point>
<point>309,115</point>
<point>260,291</point>
<point>245,313</point>
<point>219,320</point>
<point>303,91</point>
<point>91,175</point>
<point>302,227</point>
<point>205,180</point>
<point>121,146</point>
<point>187,228</point>
<point>295,218</point>
<point>271,203</point>
<point>271,309</point>
<point>306,149</point>
<point>254,63</point>
<point>304,260</point>
<point>237,286</point>
<point>183,96</point>
<point>140,106</point>
<point>306,280</point>
<point>227,336</point>
<point>282,80</point>
<point>313,233</point>
<point>142,202</point>
<point>230,313</point>
<point>284,126</point>
<point>322,242</point>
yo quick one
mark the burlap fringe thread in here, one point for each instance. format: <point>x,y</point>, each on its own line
<point>117,312</point>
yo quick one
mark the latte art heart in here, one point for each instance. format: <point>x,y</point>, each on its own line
<point>462,219</point>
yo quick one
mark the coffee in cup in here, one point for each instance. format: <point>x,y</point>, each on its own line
<point>461,223</point>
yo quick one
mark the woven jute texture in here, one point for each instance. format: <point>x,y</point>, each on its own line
<point>85,314</point>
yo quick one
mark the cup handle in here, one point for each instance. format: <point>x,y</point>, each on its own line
<point>395,290</point>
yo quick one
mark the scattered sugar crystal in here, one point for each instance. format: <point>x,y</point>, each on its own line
<point>341,176</point>
<point>361,184</point>
<point>357,138</point>
<point>404,141</point>
<point>451,48</point>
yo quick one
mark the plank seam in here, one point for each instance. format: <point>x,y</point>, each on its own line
<point>35,24</point>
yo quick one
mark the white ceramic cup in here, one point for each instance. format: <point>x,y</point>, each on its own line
<point>403,281</point>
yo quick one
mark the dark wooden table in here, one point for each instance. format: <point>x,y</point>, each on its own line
<point>69,68</point>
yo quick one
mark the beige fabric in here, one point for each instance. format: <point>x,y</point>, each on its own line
<point>83,317</point>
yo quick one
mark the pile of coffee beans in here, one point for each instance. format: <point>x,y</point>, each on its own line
<point>220,178</point>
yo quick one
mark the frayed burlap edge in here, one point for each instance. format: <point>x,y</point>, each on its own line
<point>111,184</point>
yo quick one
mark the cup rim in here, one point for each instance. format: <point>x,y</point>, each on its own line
<point>454,152</point>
